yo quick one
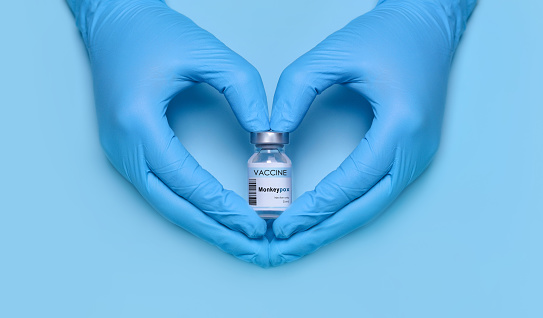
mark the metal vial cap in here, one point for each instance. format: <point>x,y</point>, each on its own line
<point>270,138</point>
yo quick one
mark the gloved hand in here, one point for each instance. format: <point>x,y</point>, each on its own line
<point>142,54</point>
<point>398,56</point>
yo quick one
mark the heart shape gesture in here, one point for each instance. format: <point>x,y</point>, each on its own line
<point>397,56</point>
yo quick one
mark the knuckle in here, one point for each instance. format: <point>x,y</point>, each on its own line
<point>412,123</point>
<point>128,118</point>
<point>245,74</point>
<point>422,129</point>
<point>295,75</point>
<point>121,123</point>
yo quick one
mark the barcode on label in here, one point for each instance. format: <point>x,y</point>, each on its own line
<point>252,191</point>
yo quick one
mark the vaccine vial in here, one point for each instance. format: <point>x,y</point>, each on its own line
<point>270,174</point>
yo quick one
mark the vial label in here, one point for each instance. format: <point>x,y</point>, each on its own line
<point>270,187</point>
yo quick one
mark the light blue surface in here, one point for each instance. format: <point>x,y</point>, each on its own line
<point>464,241</point>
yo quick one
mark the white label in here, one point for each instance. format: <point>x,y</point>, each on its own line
<point>270,187</point>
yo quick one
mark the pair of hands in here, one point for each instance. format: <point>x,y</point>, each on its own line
<point>398,56</point>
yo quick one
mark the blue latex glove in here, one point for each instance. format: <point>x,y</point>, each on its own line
<point>142,54</point>
<point>398,56</point>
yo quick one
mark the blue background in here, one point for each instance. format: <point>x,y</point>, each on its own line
<point>77,240</point>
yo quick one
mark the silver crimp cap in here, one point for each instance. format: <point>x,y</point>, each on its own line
<point>269,138</point>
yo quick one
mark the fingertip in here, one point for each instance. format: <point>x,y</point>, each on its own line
<point>244,90</point>
<point>280,122</point>
<point>275,256</point>
<point>262,257</point>
<point>288,109</point>
<point>257,228</point>
<point>258,254</point>
<point>280,229</point>
<point>258,121</point>
<point>239,219</point>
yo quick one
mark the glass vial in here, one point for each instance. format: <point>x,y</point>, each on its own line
<point>270,174</point>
